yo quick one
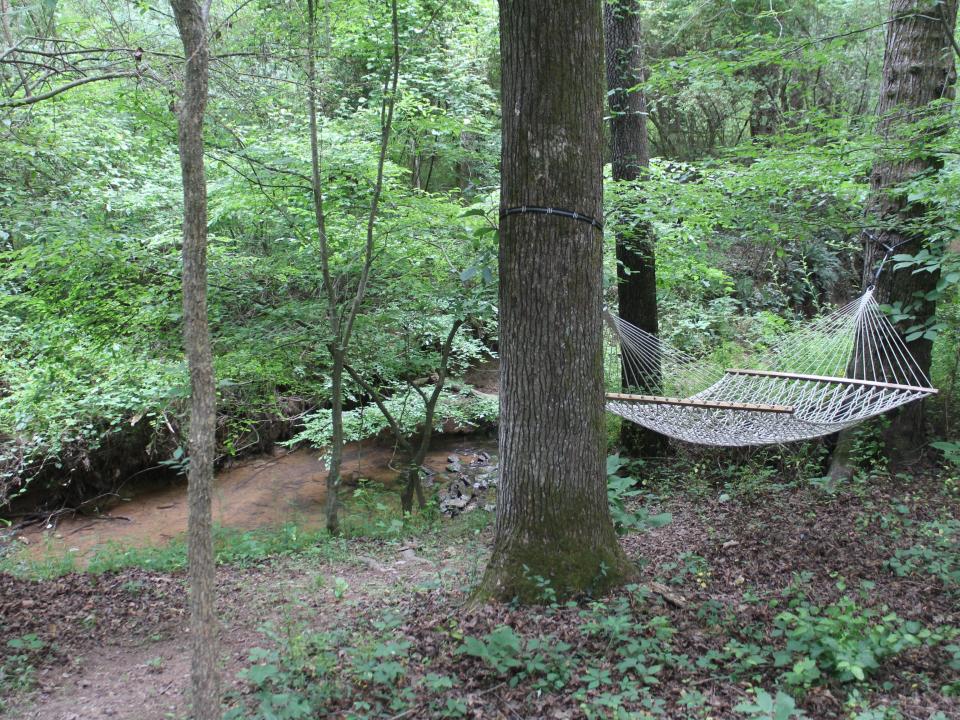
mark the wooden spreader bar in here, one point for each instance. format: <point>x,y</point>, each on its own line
<point>830,379</point>
<point>708,404</point>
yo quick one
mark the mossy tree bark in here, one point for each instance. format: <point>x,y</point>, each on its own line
<point>630,160</point>
<point>192,20</point>
<point>553,521</point>
<point>918,69</point>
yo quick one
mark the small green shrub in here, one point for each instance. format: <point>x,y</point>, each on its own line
<point>621,491</point>
<point>841,641</point>
<point>767,707</point>
<point>544,661</point>
<point>17,673</point>
<point>938,555</point>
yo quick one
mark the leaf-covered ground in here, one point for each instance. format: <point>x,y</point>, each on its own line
<point>758,601</point>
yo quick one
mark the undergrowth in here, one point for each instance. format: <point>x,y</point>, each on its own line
<point>601,656</point>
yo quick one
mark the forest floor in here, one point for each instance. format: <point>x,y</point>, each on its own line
<point>761,600</point>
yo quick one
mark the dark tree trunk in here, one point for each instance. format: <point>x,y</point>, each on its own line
<point>630,158</point>
<point>415,162</point>
<point>191,20</point>
<point>918,68</point>
<point>553,520</point>
<point>462,167</point>
<point>764,114</point>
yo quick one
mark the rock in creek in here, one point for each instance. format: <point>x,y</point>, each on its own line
<point>471,476</point>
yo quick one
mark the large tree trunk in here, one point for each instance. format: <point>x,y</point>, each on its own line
<point>918,68</point>
<point>553,520</point>
<point>191,20</point>
<point>630,158</point>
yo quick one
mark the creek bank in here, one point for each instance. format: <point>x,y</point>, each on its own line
<point>140,450</point>
<point>261,492</point>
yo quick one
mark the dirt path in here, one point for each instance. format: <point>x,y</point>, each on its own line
<point>143,673</point>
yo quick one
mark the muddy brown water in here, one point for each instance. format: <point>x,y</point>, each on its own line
<point>260,492</point>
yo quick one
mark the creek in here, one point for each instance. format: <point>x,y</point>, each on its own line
<point>259,492</point>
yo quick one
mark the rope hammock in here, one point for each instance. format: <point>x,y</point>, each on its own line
<point>835,372</point>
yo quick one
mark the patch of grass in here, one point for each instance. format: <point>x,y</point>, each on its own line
<point>234,547</point>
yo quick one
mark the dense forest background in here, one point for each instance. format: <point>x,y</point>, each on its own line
<point>323,188</point>
<point>762,125</point>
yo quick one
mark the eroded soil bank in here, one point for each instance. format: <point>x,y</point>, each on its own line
<point>259,492</point>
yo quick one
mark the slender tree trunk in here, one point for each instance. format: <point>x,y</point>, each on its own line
<point>415,483</point>
<point>341,319</point>
<point>764,115</point>
<point>191,19</point>
<point>337,440</point>
<point>6,10</point>
<point>553,520</point>
<point>630,158</point>
<point>336,345</point>
<point>918,68</point>
<point>463,164</point>
<point>415,161</point>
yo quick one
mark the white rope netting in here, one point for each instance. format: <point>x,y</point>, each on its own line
<point>833,373</point>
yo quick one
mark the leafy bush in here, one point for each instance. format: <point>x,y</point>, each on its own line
<point>938,556</point>
<point>767,707</point>
<point>841,641</point>
<point>463,407</point>
<point>17,673</point>
<point>622,490</point>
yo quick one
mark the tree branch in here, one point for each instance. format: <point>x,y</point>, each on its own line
<point>389,102</point>
<point>20,102</point>
<point>378,400</point>
<point>431,404</point>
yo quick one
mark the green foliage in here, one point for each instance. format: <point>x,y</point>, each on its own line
<point>621,491</point>
<point>752,232</point>
<point>17,672</point>
<point>950,450</point>
<point>307,672</point>
<point>463,407</point>
<point>937,555</point>
<point>90,211</point>
<point>842,641</point>
<point>767,707</point>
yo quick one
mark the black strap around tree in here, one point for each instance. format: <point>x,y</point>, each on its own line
<point>889,251</point>
<point>572,214</point>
